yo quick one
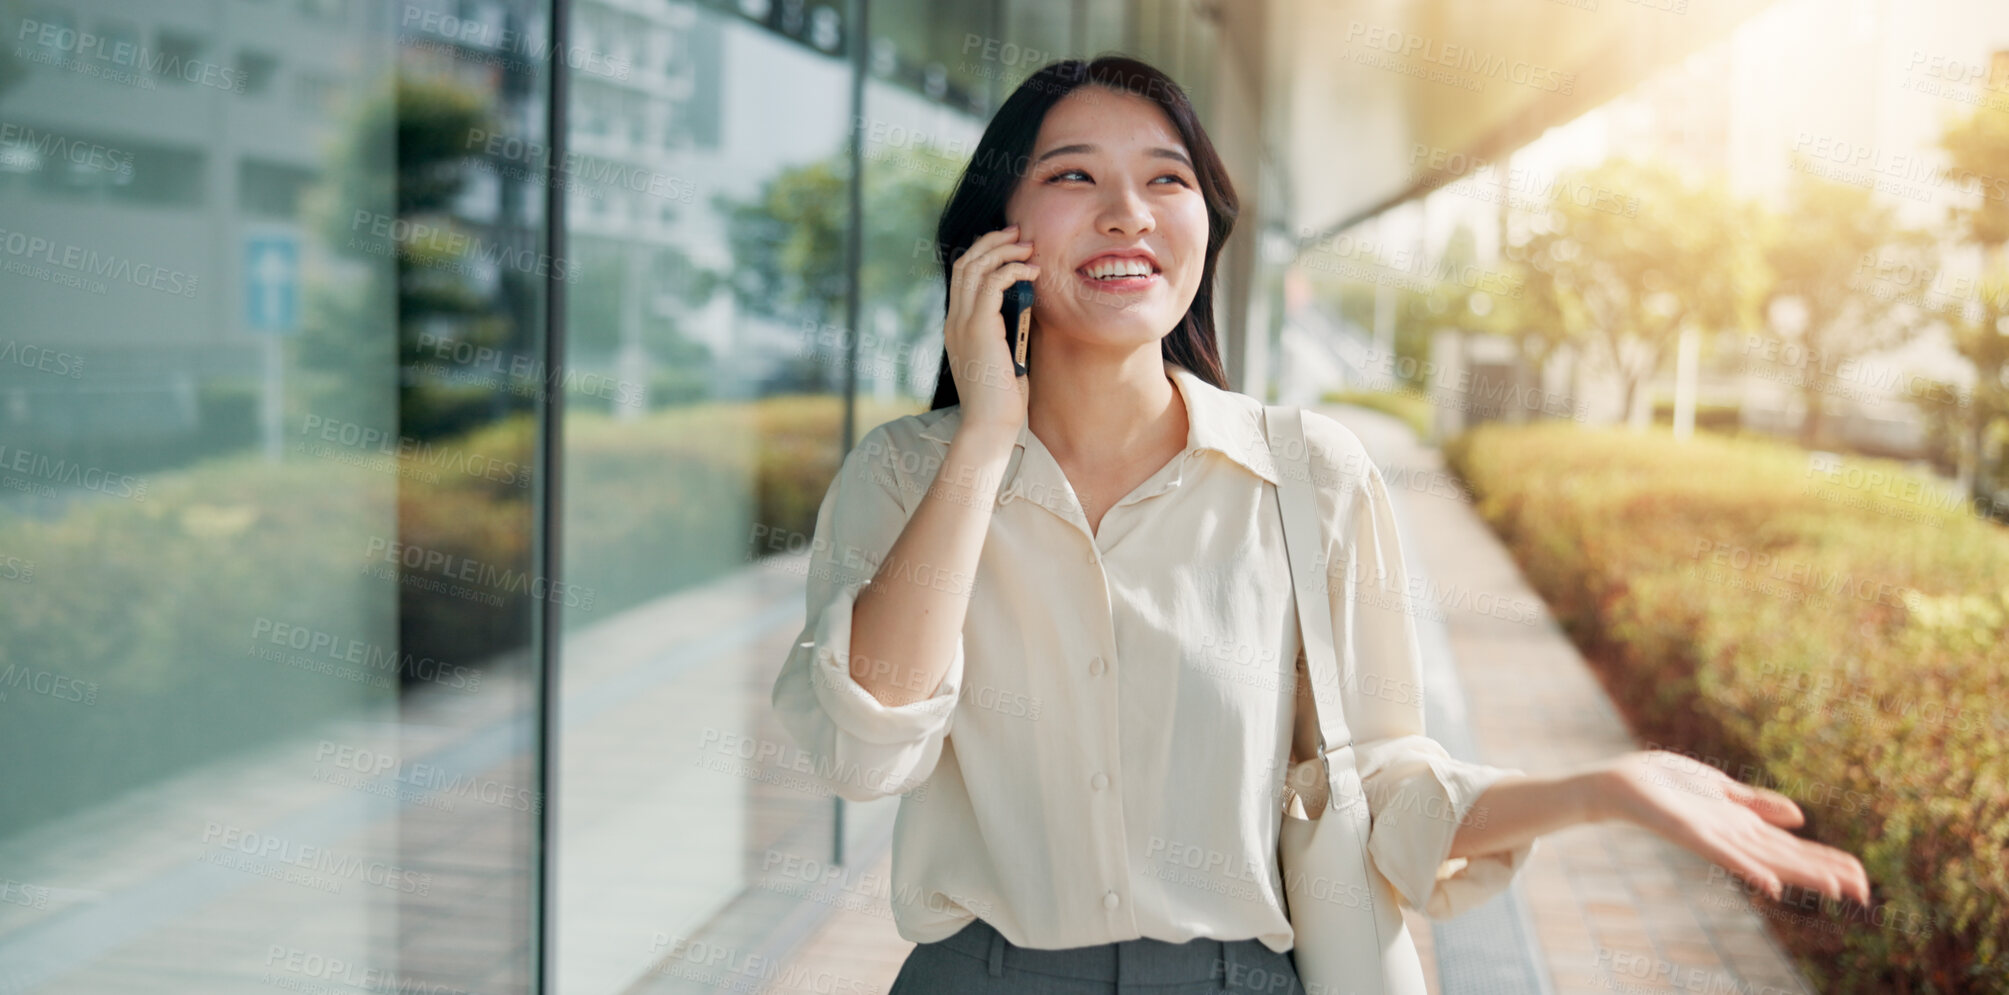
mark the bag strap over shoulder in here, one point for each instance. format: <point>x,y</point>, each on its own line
<point>1284,427</point>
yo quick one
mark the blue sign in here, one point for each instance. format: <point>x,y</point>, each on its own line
<point>272,284</point>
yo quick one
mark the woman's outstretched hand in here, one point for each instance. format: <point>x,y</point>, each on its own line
<point>1734,824</point>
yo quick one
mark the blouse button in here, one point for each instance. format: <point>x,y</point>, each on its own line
<point>1099,781</point>
<point>1095,667</point>
<point>1110,900</point>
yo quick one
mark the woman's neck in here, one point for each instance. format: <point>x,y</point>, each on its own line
<point>1097,409</point>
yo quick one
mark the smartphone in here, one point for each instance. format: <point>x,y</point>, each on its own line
<point>1018,322</point>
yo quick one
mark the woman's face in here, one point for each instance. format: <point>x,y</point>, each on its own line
<point>1110,175</point>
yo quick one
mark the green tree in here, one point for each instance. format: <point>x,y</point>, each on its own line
<point>1814,248</point>
<point>1627,282</point>
<point>1981,333</point>
<point>1977,148</point>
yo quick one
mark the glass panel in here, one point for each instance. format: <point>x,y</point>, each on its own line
<point>1036,32</point>
<point>267,488</point>
<point>1105,26</point>
<point>707,215</point>
<point>936,49</point>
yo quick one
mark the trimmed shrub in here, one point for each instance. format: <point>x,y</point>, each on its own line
<point>167,614</point>
<point>1837,632</point>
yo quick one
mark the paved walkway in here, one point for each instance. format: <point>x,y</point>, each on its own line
<point>1610,908</point>
<point>1614,907</point>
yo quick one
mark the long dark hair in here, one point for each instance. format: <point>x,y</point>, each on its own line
<point>999,162</point>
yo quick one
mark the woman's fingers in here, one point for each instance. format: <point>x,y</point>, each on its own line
<point>1810,864</point>
<point>1745,829</point>
<point>1850,876</point>
<point>984,255</point>
<point>1770,805</point>
<point>1792,862</point>
<point>1737,858</point>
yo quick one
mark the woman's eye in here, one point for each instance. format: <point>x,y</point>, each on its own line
<point>1174,177</point>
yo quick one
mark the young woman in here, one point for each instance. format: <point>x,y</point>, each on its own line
<point>1054,612</point>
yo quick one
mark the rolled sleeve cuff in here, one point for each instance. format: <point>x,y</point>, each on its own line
<point>852,708</point>
<point>1415,825</point>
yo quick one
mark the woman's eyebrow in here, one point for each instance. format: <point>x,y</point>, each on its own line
<point>1157,152</point>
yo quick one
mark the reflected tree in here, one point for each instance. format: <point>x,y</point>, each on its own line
<point>788,249</point>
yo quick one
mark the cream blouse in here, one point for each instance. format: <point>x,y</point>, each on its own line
<point>1104,759</point>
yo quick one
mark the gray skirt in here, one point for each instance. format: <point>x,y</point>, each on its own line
<point>978,960</point>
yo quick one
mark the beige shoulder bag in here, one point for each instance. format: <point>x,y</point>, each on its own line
<point>1347,918</point>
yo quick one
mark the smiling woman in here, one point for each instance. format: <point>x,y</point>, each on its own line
<point>1075,142</point>
<point>1057,560</point>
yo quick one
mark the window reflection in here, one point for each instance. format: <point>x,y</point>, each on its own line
<point>265,561</point>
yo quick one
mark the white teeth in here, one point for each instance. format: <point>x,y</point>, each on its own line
<point>1119,267</point>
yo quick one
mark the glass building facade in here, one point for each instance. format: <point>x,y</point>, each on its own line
<point>408,458</point>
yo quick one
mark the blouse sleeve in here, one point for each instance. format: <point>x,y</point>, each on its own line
<point>861,748</point>
<point>1418,795</point>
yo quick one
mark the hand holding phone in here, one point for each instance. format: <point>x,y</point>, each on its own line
<point>990,295</point>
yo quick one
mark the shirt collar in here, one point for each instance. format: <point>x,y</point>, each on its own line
<point>1227,422</point>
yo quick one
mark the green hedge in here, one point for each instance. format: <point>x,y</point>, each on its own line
<point>1724,417</point>
<point>1826,632</point>
<point>152,606</point>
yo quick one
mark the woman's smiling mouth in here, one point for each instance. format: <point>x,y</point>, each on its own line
<point>1119,274</point>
